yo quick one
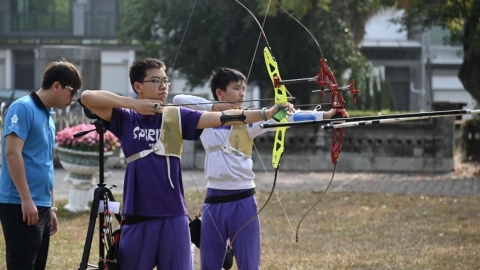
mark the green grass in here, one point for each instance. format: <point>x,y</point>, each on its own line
<point>344,231</point>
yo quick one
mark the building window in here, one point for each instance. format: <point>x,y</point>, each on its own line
<point>40,15</point>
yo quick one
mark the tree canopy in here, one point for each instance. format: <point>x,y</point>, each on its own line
<point>222,33</point>
<point>196,39</point>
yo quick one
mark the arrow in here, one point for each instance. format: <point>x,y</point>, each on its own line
<point>370,120</point>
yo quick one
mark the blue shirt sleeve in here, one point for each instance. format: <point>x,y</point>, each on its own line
<point>18,120</point>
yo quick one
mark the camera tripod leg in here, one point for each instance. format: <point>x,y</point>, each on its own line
<point>99,195</point>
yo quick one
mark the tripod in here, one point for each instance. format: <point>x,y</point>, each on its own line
<point>101,193</point>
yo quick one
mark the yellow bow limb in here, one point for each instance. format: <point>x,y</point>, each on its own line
<point>280,99</point>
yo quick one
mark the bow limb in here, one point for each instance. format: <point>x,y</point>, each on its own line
<point>325,78</point>
<point>280,98</point>
<point>281,116</point>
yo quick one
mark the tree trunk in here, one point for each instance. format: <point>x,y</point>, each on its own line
<point>469,73</point>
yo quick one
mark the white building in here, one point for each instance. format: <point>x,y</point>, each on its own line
<point>421,69</point>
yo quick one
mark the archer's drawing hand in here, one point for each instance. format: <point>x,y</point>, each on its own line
<point>148,106</point>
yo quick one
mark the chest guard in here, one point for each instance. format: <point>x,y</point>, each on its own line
<point>170,142</point>
<point>239,143</point>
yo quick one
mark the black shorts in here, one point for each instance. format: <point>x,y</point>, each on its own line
<point>26,246</point>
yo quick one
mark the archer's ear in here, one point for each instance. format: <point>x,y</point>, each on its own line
<point>137,86</point>
<point>219,93</point>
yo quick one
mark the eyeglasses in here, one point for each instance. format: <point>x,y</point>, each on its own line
<point>73,91</point>
<point>157,82</point>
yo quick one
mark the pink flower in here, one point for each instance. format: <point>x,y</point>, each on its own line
<point>88,142</point>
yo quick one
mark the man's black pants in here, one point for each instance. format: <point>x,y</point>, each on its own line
<point>26,246</point>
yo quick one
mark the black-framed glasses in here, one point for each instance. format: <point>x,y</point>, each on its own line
<point>73,91</point>
<point>157,82</point>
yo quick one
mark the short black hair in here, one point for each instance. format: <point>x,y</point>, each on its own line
<point>223,76</point>
<point>139,68</point>
<point>63,72</point>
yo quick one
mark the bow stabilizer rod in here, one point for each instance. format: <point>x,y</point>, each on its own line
<point>381,119</point>
<point>431,115</point>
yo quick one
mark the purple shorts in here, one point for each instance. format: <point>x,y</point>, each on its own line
<point>221,222</point>
<point>163,242</point>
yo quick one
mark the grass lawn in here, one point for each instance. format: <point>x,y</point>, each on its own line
<point>344,231</point>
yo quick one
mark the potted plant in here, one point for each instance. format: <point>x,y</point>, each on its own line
<point>80,158</point>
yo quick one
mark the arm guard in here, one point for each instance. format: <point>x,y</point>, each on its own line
<point>224,118</point>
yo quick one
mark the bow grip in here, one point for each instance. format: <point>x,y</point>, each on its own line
<point>342,114</point>
<point>281,114</point>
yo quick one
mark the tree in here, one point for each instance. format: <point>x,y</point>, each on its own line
<point>222,33</point>
<point>462,19</point>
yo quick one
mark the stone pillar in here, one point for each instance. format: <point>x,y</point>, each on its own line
<point>79,194</point>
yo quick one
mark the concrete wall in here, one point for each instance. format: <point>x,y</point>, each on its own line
<point>420,146</point>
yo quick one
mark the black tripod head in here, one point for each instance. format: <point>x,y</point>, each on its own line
<point>89,114</point>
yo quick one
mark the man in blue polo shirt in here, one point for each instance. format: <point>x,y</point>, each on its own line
<point>27,208</point>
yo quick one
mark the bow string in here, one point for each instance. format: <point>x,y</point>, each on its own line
<point>324,78</point>
<point>281,98</point>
